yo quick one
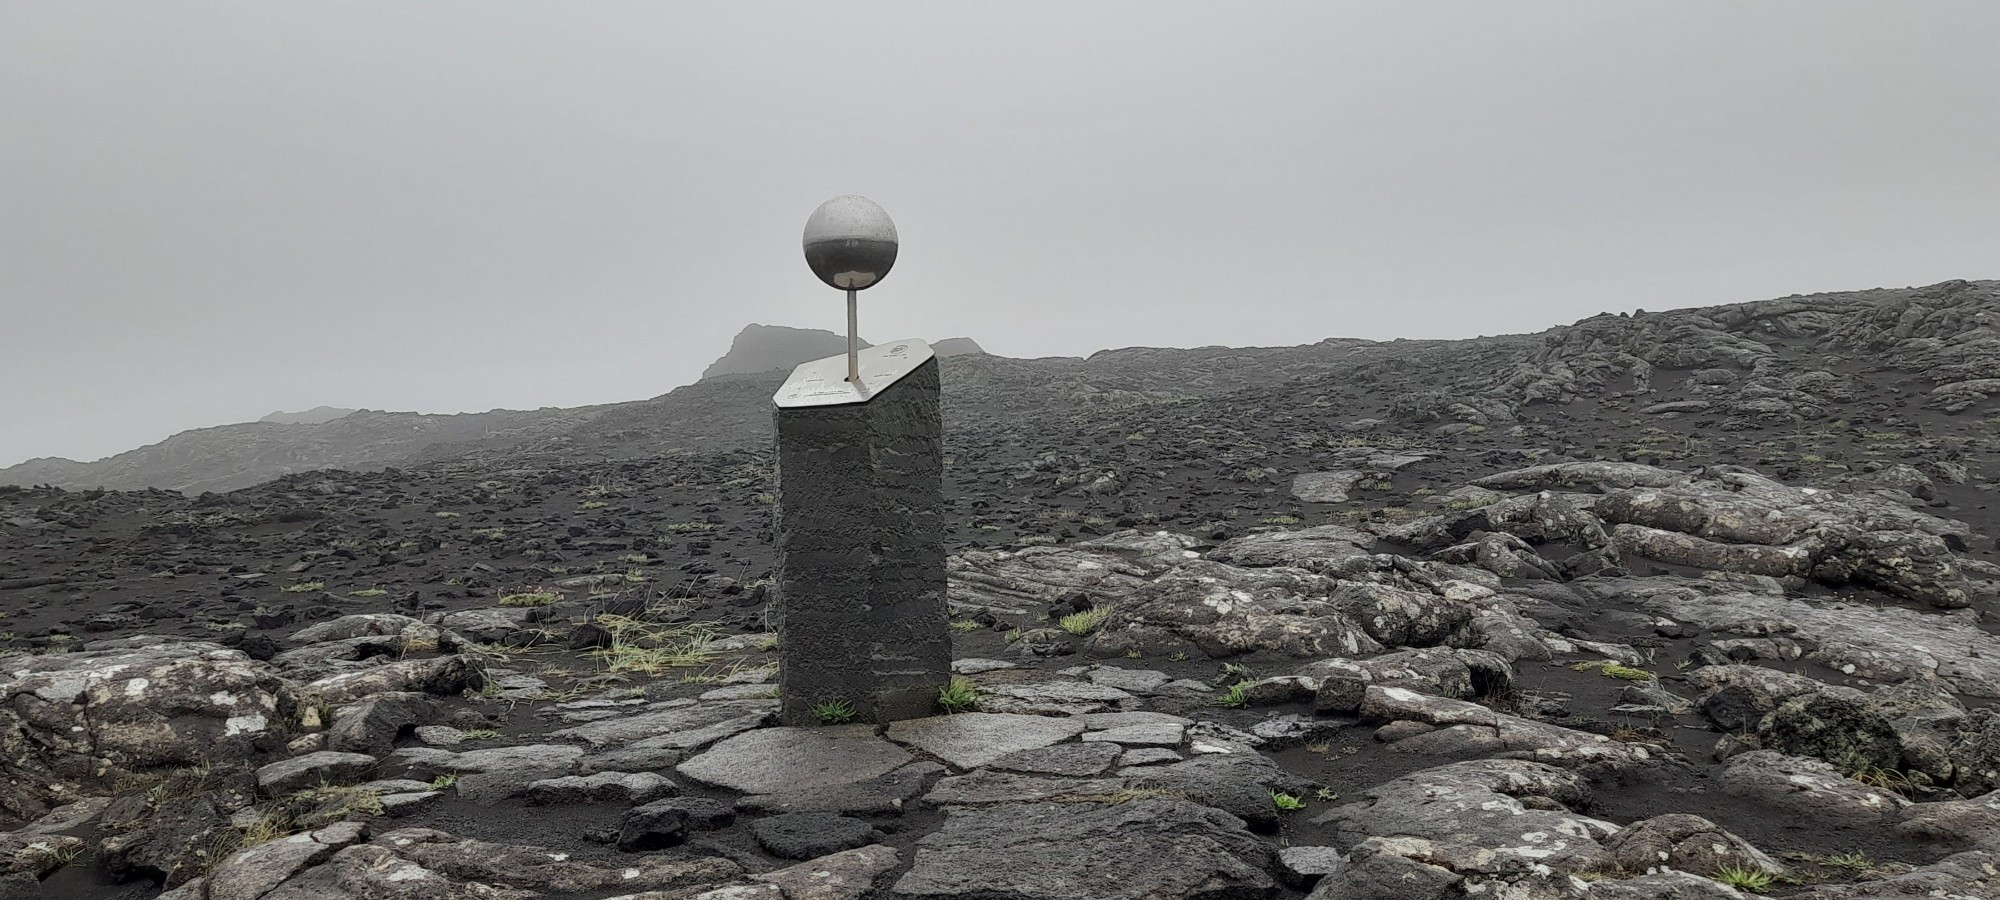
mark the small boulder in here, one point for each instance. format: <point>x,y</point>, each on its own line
<point>847,875</point>
<point>630,788</point>
<point>312,770</point>
<point>1303,867</point>
<point>666,823</point>
<point>1684,842</point>
<point>373,725</point>
<point>811,835</point>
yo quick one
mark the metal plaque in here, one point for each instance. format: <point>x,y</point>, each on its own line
<point>823,382</point>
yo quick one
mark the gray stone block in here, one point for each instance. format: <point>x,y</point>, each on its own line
<point>860,601</point>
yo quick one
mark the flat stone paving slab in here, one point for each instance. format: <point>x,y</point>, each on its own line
<point>883,795</point>
<point>695,738</point>
<point>1101,721</point>
<point>971,740</point>
<point>1051,698</point>
<point>974,666</point>
<point>1144,756</point>
<point>1074,760</point>
<point>524,759</point>
<point>782,760</point>
<point>1162,734</point>
<point>676,728</point>
<point>739,692</point>
<point>983,787</point>
<point>1137,681</point>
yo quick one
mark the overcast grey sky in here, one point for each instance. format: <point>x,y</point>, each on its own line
<point>209,211</point>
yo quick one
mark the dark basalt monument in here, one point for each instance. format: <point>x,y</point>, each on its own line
<point>860,609</point>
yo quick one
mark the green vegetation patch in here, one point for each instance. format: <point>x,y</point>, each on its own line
<point>1611,669</point>
<point>833,712</point>
<point>1085,622</point>
<point>961,695</point>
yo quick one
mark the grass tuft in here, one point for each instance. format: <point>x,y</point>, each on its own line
<point>833,712</point>
<point>1850,862</point>
<point>46,855</point>
<point>1892,780</point>
<point>1287,802</point>
<point>335,802</point>
<point>961,695</point>
<point>1611,669</point>
<point>650,649</point>
<point>1755,881</point>
<point>533,598</point>
<point>267,829</point>
<point>1085,622</point>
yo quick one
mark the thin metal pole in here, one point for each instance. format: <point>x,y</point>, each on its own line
<point>853,359</point>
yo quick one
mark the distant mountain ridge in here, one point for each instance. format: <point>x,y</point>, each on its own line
<point>1937,347</point>
<point>227,457</point>
<point>318,415</point>
<point>779,348</point>
<point>763,348</point>
<point>958,346</point>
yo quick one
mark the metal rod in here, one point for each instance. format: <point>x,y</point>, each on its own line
<point>853,358</point>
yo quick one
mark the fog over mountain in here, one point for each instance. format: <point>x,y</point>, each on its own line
<point>215,209</point>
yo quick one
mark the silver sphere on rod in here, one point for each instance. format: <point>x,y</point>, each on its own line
<point>850,244</point>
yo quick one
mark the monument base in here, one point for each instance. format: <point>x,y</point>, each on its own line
<point>860,602</point>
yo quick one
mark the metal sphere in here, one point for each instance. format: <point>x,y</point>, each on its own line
<point>850,242</point>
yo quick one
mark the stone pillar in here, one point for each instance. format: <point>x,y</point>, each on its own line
<point>860,600</point>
